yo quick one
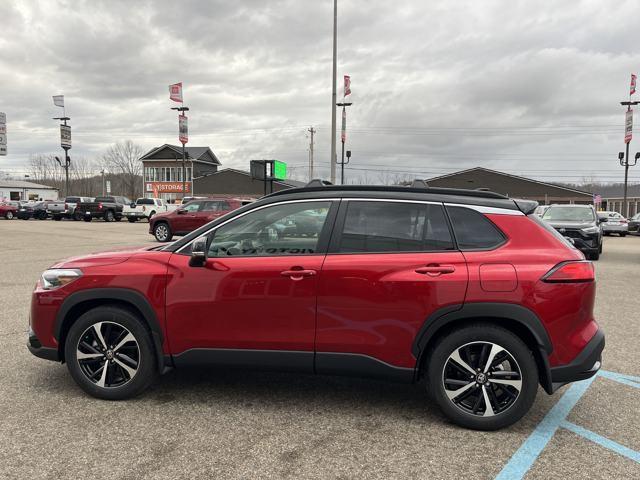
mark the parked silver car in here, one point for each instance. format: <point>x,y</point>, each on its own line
<point>613,222</point>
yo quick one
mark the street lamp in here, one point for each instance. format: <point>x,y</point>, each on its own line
<point>625,163</point>
<point>66,145</point>
<point>343,136</point>
<point>184,168</point>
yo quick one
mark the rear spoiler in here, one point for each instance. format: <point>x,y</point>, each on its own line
<point>526,206</point>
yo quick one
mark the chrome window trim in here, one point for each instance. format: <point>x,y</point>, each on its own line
<point>484,209</point>
<point>306,200</point>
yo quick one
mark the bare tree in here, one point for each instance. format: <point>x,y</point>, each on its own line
<point>124,158</point>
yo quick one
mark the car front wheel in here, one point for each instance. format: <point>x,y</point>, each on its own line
<point>162,232</point>
<point>482,376</point>
<point>8,215</point>
<point>109,354</point>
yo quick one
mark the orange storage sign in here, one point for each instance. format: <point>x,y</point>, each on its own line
<point>167,187</point>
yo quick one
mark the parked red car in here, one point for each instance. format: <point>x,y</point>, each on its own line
<point>191,216</point>
<point>7,211</point>
<point>466,290</point>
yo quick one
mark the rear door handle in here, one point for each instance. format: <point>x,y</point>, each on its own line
<point>298,274</point>
<point>435,270</point>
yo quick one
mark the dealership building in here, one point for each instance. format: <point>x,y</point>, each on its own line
<point>19,190</point>
<point>162,175</point>
<point>512,186</point>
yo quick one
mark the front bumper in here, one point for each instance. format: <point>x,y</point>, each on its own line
<point>584,366</point>
<point>36,348</point>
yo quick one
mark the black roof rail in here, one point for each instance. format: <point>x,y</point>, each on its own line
<point>386,188</point>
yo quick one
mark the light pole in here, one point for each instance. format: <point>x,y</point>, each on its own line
<point>65,143</point>
<point>184,167</point>
<point>625,163</point>
<point>343,136</point>
<point>103,192</point>
<point>333,89</point>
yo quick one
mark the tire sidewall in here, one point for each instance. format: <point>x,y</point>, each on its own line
<point>155,231</point>
<point>146,371</point>
<point>9,215</point>
<point>499,336</point>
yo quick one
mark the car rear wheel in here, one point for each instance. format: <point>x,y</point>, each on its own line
<point>9,215</point>
<point>87,218</point>
<point>132,219</point>
<point>162,232</point>
<point>108,216</point>
<point>110,354</point>
<point>482,377</point>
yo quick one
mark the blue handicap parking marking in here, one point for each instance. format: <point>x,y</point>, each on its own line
<point>524,458</point>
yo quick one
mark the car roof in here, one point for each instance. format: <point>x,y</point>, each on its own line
<point>448,195</point>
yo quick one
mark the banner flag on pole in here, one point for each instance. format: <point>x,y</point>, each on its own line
<point>347,85</point>
<point>58,100</point>
<point>632,90</point>
<point>175,92</point>
<point>628,126</point>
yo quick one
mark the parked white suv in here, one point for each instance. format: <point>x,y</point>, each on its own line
<point>145,208</point>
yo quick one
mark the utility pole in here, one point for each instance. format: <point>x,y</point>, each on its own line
<point>311,131</point>
<point>333,89</point>
<point>624,157</point>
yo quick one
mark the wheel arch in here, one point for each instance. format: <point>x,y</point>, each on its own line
<point>519,320</point>
<point>78,303</point>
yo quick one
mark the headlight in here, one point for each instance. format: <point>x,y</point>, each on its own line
<point>57,278</point>
<point>591,230</point>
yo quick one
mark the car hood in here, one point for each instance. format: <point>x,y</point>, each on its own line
<point>111,257</point>
<point>572,225</point>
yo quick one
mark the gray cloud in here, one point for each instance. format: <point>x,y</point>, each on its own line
<point>529,88</point>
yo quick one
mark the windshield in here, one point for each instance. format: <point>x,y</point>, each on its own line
<point>144,201</point>
<point>568,214</point>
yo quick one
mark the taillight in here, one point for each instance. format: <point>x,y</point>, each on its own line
<point>66,207</point>
<point>144,209</point>
<point>100,206</point>
<point>571,272</point>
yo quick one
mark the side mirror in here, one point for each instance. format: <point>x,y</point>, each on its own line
<point>180,211</point>
<point>198,252</point>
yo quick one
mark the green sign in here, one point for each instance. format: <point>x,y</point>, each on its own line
<point>279,170</point>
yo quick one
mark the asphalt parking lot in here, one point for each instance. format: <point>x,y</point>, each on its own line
<point>202,424</point>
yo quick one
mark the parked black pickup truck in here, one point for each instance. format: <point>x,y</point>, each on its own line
<point>107,208</point>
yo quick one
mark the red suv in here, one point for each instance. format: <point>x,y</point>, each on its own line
<point>193,215</point>
<point>466,290</point>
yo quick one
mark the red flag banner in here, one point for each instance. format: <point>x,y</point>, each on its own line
<point>632,90</point>
<point>175,92</point>
<point>347,85</point>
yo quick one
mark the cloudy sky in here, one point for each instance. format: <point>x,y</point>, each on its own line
<point>530,88</point>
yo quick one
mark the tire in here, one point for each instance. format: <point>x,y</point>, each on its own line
<point>118,219</point>
<point>593,255</point>
<point>9,215</point>
<point>42,216</point>
<point>470,343</point>
<point>600,248</point>
<point>162,232</point>
<point>623,234</point>
<point>131,367</point>
<point>108,216</point>
<point>57,218</point>
<point>132,219</point>
<point>87,218</point>
<point>76,217</point>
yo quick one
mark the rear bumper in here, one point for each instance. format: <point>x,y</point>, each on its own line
<point>584,366</point>
<point>615,228</point>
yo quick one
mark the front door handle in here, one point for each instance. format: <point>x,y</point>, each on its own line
<point>435,270</point>
<point>298,273</point>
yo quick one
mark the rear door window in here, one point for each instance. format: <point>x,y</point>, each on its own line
<point>473,230</point>
<point>379,227</point>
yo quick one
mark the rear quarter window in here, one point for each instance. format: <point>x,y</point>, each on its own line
<point>474,231</point>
